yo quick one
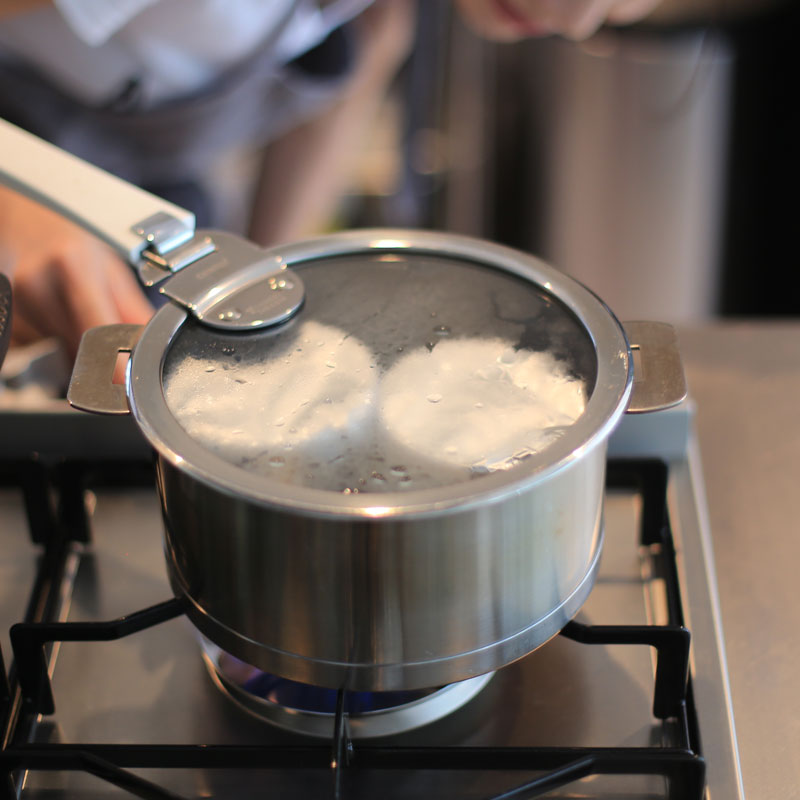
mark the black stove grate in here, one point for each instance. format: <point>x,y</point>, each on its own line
<point>54,500</point>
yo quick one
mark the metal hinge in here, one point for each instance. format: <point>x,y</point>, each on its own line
<point>171,246</point>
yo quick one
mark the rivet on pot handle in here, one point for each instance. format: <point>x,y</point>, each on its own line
<point>658,378</point>
<point>92,386</point>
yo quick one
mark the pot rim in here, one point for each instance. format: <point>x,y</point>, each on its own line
<point>607,403</point>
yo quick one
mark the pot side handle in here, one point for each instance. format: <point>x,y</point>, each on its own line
<point>98,201</point>
<point>92,386</point>
<point>658,378</point>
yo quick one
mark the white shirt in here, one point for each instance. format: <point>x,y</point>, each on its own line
<point>92,49</point>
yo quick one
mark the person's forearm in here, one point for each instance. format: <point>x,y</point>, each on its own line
<point>305,173</point>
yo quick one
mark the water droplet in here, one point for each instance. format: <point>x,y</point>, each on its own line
<point>277,461</point>
<point>350,491</point>
<point>434,398</point>
<point>330,364</point>
<point>442,330</point>
<point>430,346</point>
<point>298,350</point>
<point>232,313</point>
<point>509,356</point>
<point>281,421</point>
<point>451,450</point>
<point>404,482</point>
<point>433,313</point>
<point>210,369</point>
<point>229,350</point>
<point>478,405</point>
<point>377,477</point>
<point>399,470</point>
<point>280,284</point>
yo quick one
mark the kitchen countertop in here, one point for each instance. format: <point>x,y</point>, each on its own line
<point>745,380</point>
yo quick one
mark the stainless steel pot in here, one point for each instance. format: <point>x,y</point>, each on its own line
<point>373,589</point>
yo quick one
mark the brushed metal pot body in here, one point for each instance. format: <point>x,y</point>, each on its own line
<point>394,590</point>
<point>382,604</point>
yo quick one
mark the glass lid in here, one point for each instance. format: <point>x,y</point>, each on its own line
<point>402,371</point>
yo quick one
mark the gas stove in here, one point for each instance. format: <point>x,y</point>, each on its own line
<point>107,694</point>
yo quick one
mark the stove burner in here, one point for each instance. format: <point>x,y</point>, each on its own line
<point>310,710</point>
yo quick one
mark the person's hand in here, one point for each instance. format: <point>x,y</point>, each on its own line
<point>511,20</point>
<point>64,279</point>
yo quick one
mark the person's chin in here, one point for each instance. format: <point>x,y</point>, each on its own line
<point>508,24</point>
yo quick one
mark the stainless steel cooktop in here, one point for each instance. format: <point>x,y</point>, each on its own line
<point>153,688</point>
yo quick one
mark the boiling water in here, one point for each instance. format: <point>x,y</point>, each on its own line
<point>320,409</point>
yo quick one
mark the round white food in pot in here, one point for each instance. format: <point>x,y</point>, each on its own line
<point>306,396</point>
<point>478,404</point>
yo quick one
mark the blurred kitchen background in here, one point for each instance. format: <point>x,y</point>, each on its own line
<point>658,165</point>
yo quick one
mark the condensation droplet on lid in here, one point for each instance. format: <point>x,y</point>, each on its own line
<point>442,330</point>
<point>277,461</point>
<point>399,470</point>
<point>434,398</point>
<point>280,284</point>
<point>280,422</point>
<point>232,313</point>
<point>210,369</point>
<point>508,356</point>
